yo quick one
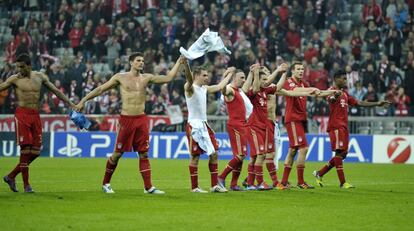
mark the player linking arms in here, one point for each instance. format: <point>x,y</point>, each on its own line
<point>338,128</point>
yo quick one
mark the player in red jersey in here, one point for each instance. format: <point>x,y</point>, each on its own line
<point>295,123</point>
<point>27,84</point>
<point>258,138</point>
<point>271,120</point>
<point>239,109</point>
<point>338,127</point>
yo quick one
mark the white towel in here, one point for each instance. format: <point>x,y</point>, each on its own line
<point>207,42</point>
<point>199,132</point>
<point>247,104</point>
<point>278,144</point>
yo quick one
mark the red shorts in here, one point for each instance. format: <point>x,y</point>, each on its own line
<point>296,134</point>
<point>270,136</point>
<point>339,139</point>
<point>132,134</point>
<point>28,127</point>
<point>257,140</point>
<point>193,146</point>
<point>238,139</point>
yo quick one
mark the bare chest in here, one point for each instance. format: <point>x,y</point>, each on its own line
<point>29,84</point>
<point>133,84</point>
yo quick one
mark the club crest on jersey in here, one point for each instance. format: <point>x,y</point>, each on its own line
<point>244,148</point>
<point>341,143</point>
<point>261,147</point>
<point>270,145</point>
<point>291,84</point>
<point>119,145</point>
<point>194,148</point>
<point>21,138</point>
<point>300,138</point>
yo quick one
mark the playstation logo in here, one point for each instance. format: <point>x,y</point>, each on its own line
<point>71,148</point>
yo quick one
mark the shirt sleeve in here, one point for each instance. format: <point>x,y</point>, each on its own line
<point>270,90</point>
<point>352,101</point>
<point>250,94</point>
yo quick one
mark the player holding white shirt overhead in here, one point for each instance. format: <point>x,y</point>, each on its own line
<point>200,136</point>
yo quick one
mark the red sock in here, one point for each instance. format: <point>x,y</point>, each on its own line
<point>230,166</point>
<point>110,169</point>
<point>286,173</point>
<point>24,168</point>
<point>145,169</point>
<point>213,173</point>
<point>325,169</point>
<point>258,172</point>
<point>193,176</point>
<point>236,174</point>
<point>300,170</point>
<point>339,169</point>
<point>272,172</point>
<point>16,169</point>
<point>250,175</point>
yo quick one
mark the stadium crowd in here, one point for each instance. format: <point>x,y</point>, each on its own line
<point>80,44</point>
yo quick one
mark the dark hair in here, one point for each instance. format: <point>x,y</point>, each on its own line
<point>239,70</point>
<point>134,55</point>
<point>292,67</point>
<point>24,58</point>
<point>197,70</point>
<point>339,73</point>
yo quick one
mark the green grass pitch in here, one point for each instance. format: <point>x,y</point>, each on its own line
<point>68,197</point>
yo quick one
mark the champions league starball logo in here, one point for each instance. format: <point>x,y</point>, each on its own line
<point>399,150</point>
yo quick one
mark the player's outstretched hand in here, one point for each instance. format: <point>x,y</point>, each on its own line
<point>183,59</point>
<point>282,67</point>
<point>79,107</point>
<point>254,67</point>
<point>384,103</point>
<point>231,69</point>
<point>337,93</point>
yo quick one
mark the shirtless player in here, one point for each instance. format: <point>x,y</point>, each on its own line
<point>28,84</point>
<point>133,130</point>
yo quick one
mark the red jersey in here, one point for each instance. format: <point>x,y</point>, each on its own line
<point>259,100</point>
<point>338,116</point>
<point>295,106</point>
<point>236,109</point>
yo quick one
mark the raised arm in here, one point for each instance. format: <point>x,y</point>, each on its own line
<point>228,93</point>
<point>188,86</point>
<point>8,83</point>
<point>113,82</point>
<point>281,68</point>
<point>248,83</point>
<point>51,87</point>
<point>227,76</point>
<point>170,75</point>
<point>256,78</point>
<point>281,82</point>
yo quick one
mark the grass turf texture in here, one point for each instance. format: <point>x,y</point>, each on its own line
<point>68,197</point>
